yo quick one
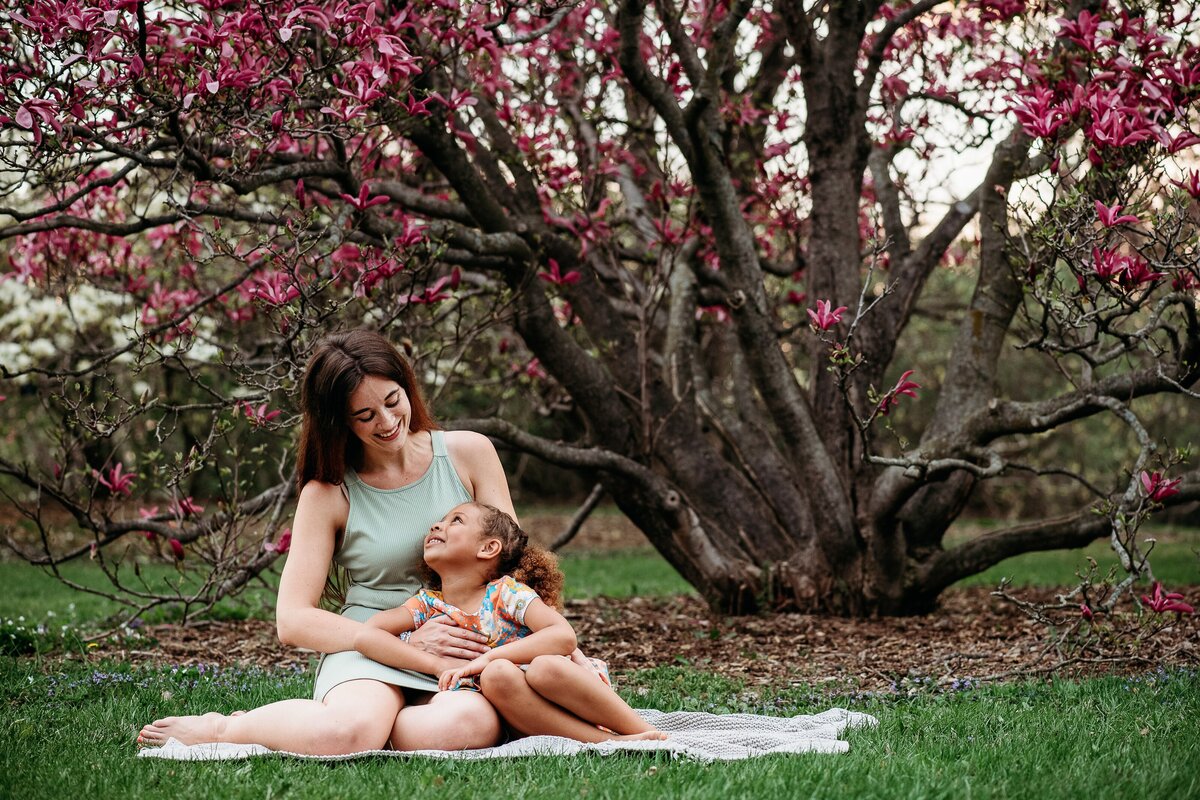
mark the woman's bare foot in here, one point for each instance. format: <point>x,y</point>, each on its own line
<point>645,736</point>
<point>188,730</point>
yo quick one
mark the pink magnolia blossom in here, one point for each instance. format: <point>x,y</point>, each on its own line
<point>364,199</point>
<point>1129,271</point>
<point>274,288</point>
<point>823,318</point>
<point>1160,601</point>
<point>259,415</point>
<point>116,480</point>
<point>1038,114</point>
<point>347,114</point>
<point>186,507</point>
<point>531,369</point>
<point>433,294</point>
<point>1085,611</point>
<point>282,546</point>
<point>1085,29</point>
<point>556,277</point>
<point>35,111</point>
<point>1157,487</point>
<point>1185,282</point>
<point>176,548</point>
<point>1191,184</point>
<point>903,387</point>
<point>1137,272</point>
<point>1109,216</point>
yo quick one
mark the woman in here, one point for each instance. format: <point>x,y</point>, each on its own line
<point>374,474</point>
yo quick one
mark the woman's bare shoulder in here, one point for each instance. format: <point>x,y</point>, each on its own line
<point>324,498</point>
<point>469,445</point>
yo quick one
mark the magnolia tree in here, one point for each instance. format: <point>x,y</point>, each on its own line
<point>696,231</point>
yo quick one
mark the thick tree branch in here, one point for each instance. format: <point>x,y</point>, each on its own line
<point>1073,530</point>
<point>567,455</point>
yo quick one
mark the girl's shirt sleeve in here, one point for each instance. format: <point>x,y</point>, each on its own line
<point>515,597</point>
<point>420,607</point>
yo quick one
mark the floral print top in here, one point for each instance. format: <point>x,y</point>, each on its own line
<point>501,615</point>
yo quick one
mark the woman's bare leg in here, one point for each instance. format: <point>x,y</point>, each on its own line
<point>504,685</point>
<point>580,691</point>
<point>449,721</point>
<point>354,716</point>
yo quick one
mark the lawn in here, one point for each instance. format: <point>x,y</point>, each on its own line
<point>68,724</point>
<point>68,727</point>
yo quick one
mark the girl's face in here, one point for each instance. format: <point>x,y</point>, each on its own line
<point>380,414</point>
<point>456,538</point>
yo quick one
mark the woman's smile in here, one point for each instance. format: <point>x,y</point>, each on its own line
<point>390,435</point>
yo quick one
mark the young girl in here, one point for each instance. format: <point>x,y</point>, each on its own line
<point>471,554</point>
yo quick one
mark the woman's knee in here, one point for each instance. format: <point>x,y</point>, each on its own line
<point>472,719</point>
<point>355,721</point>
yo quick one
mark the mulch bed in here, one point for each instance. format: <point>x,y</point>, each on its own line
<point>972,635</point>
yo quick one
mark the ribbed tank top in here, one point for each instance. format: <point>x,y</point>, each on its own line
<point>386,528</point>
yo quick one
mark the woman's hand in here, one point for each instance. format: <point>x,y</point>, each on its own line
<point>450,678</point>
<point>441,637</point>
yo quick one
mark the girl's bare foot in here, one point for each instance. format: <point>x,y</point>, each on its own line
<point>188,730</point>
<point>646,736</point>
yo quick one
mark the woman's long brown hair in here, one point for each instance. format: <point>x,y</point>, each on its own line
<point>327,446</point>
<point>337,367</point>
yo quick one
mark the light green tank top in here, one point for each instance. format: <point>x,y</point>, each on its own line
<point>386,528</point>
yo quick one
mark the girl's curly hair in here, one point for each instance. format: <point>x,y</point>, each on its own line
<point>533,566</point>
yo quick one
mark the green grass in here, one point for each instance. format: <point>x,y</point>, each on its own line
<point>1176,562</point>
<point>622,573</point>
<point>35,593</point>
<point>69,727</point>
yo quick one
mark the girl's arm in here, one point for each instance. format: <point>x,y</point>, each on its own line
<point>377,641</point>
<point>395,621</point>
<point>552,635</point>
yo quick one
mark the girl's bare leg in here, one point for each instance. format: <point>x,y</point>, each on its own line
<point>354,716</point>
<point>449,721</point>
<point>580,691</point>
<point>504,685</point>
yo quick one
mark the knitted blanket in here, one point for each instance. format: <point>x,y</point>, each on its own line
<point>705,737</point>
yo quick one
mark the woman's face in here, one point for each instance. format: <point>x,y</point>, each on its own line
<point>379,414</point>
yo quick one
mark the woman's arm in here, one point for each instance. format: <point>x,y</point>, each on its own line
<point>320,514</point>
<point>377,640</point>
<point>552,635</point>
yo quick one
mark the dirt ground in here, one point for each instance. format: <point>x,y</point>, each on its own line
<point>972,636</point>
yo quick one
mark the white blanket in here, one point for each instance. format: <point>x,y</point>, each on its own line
<point>705,737</point>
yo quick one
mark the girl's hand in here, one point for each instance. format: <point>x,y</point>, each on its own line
<point>450,678</point>
<point>442,637</point>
